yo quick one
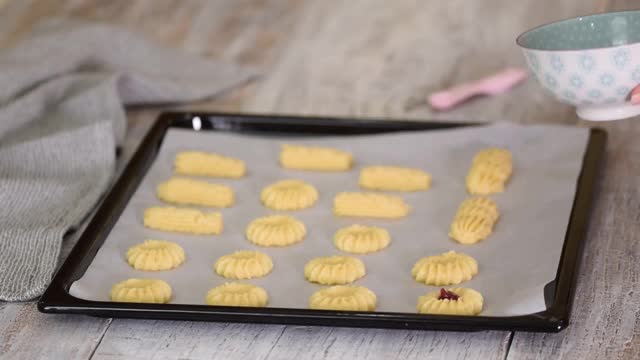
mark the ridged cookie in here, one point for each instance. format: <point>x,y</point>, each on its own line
<point>208,164</point>
<point>334,270</point>
<point>154,255</point>
<point>489,172</point>
<point>343,297</point>
<point>450,268</point>
<point>237,294</point>
<point>276,230</point>
<point>456,301</point>
<point>141,291</point>
<point>243,265</point>
<point>394,178</point>
<point>190,221</point>
<point>289,195</point>
<point>474,220</point>
<point>315,158</point>
<point>368,204</point>
<point>360,239</point>
<point>184,191</point>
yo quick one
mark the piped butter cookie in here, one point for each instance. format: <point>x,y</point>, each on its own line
<point>360,239</point>
<point>369,204</point>
<point>289,195</point>
<point>334,270</point>
<point>141,291</point>
<point>208,164</point>
<point>314,158</point>
<point>184,191</point>
<point>190,221</point>
<point>474,220</point>
<point>276,230</point>
<point>490,170</point>
<point>456,301</point>
<point>154,255</point>
<point>394,178</point>
<point>343,297</point>
<point>237,294</point>
<point>243,265</point>
<point>450,268</point>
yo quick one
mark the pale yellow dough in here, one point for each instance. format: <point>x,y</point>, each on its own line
<point>154,255</point>
<point>183,220</point>
<point>141,291</point>
<point>489,172</point>
<point>315,158</point>
<point>276,230</point>
<point>474,220</point>
<point>237,294</point>
<point>360,239</point>
<point>343,297</point>
<point>289,195</point>
<point>334,270</point>
<point>450,268</point>
<point>394,178</point>
<point>479,205</point>
<point>368,204</point>
<point>243,265</point>
<point>469,303</point>
<point>208,164</point>
<point>194,192</point>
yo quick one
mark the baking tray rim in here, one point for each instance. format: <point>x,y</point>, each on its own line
<point>57,299</point>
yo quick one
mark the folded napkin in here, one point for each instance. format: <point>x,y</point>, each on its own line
<point>62,93</point>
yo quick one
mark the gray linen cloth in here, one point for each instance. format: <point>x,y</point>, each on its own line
<point>62,92</point>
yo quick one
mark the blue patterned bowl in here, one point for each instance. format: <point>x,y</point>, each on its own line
<point>592,62</point>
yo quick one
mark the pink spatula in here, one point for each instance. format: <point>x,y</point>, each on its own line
<point>490,85</point>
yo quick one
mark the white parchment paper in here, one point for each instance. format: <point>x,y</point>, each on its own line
<point>515,262</point>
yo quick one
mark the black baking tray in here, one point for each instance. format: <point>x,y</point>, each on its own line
<point>558,293</point>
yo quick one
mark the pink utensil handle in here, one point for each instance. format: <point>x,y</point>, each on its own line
<point>490,85</point>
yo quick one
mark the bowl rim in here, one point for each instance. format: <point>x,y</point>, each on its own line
<point>519,38</point>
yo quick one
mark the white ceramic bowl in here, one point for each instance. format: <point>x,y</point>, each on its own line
<point>592,62</point>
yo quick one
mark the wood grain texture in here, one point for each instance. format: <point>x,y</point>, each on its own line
<point>360,58</point>
<point>192,340</point>
<point>385,63</point>
<point>25,333</point>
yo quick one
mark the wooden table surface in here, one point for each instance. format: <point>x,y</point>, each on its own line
<point>360,58</point>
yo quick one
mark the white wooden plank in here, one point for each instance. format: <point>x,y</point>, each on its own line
<point>27,334</point>
<point>345,343</point>
<point>146,339</point>
<point>192,340</point>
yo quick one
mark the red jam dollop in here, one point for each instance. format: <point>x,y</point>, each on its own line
<point>447,295</point>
